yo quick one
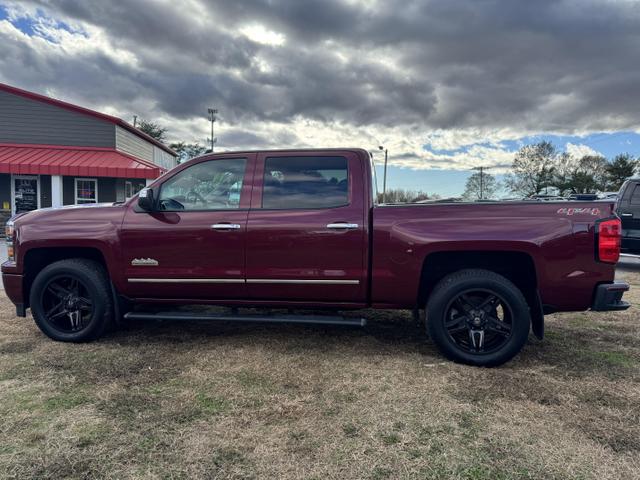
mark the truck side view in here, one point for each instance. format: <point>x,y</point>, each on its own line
<point>302,229</point>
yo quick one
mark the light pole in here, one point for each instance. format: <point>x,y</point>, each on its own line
<point>384,175</point>
<point>212,116</point>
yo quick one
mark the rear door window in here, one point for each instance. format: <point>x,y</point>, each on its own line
<point>305,182</point>
<point>635,195</point>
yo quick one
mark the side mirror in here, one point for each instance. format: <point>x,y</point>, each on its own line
<point>145,199</point>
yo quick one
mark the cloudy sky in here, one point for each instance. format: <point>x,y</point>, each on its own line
<point>445,85</point>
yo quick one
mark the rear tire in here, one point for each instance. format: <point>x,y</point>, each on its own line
<point>478,317</point>
<point>71,300</point>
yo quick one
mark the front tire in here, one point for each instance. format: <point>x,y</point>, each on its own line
<point>478,317</point>
<point>71,300</point>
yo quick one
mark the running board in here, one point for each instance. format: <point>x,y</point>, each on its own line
<point>303,319</point>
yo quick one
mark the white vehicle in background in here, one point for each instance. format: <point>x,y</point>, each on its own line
<point>546,198</point>
<point>608,195</point>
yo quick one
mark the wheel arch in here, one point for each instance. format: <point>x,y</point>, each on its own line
<point>517,266</point>
<point>35,259</point>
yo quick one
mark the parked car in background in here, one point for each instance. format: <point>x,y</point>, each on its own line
<point>628,209</point>
<point>547,198</point>
<point>584,197</point>
<point>302,229</point>
<point>608,195</point>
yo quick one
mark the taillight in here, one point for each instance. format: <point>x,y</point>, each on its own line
<point>609,232</point>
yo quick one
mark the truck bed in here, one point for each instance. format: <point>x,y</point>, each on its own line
<point>557,236</point>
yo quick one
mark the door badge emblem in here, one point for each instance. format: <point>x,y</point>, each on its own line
<point>144,262</point>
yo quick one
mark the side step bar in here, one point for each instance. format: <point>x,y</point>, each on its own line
<point>303,319</point>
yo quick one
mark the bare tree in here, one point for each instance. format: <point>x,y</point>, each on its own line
<point>533,169</point>
<point>480,186</point>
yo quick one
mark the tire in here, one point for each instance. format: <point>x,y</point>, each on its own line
<point>478,317</point>
<point>71,300</point>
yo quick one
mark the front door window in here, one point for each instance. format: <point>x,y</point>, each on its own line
<point>213,185</point>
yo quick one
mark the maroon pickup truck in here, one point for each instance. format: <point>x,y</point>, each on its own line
<point>301,229</point>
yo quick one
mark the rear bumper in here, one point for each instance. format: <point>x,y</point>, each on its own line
<point>608,296</point>
<point>13,287</point>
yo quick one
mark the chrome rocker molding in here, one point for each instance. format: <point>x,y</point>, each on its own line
<point>241,280</point>
<point>185,280</point>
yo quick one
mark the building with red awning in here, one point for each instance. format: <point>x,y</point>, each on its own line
<point>54,153</point>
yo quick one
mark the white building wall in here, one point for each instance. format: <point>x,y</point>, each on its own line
<point>163,159</point>
<point>129,143</point>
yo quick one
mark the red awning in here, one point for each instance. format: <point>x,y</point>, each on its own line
<point>73,161</point>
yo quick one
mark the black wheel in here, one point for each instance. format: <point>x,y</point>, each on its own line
<point>71,300</point>
<point>478,317</point>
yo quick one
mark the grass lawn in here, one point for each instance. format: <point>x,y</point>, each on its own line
<point>171,400</point>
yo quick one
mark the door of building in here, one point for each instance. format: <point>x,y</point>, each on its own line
<point>25,193</point>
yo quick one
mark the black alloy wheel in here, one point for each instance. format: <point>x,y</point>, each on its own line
<point>478,317</point>
<point>71,300</point>
<point>67,303</point>
<point>479,321</point>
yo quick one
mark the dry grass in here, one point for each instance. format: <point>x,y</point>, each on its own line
<point>170,400</point>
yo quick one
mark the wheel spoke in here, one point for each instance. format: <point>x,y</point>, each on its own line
<point>58,315</point>
<point>84,301</point>
<point>53,309</point>
<point>464,304</point>
<point>58,290</point>
<point>477,339</point>
<point>498,326</point>
<point>74,317</point>
<point>73,286</point>
<point>491,302</point>
<point>456,324</point>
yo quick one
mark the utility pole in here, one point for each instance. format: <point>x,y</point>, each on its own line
<point>384,175</point>
<point>212,117</point>
<point>135,120</point>
<point>481,169</point>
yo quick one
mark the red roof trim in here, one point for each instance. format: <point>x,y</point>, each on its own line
<point>85,111</point>
<point>76,161</point>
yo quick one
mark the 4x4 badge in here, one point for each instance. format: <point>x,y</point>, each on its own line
<point>144,262</point>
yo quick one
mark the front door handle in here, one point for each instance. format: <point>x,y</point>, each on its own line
<point>342,226</point>
<point>225,226</point>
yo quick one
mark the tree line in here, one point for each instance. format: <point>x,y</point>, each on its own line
<point>541,168</point>
<point>185,150</point>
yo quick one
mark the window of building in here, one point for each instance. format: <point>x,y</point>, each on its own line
<point>131,188</point>
<point>86,190</point>
<point>212,185</point>
<point>305,182</point>
<point>128,189</point>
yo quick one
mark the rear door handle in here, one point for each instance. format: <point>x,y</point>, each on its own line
<point>225,226</point>
<point>342,226</point>
<point>626,214</point>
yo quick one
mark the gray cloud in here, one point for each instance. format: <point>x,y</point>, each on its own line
<point>564,66</point>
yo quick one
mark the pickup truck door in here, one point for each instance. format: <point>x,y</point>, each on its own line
<point>307,229</point>
<point>629,212</point>
<point>193,246</point>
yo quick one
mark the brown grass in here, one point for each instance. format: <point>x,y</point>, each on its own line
<point>191,400</point>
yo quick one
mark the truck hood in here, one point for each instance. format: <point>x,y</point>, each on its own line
<point>86,213</point>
